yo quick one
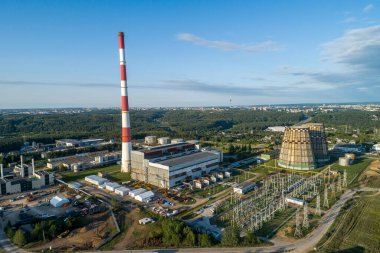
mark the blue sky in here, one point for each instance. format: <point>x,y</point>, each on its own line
<point>189,53</point>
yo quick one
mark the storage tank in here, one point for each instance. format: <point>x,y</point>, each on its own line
<point>350,156</point>
<point>178,140</point>
<point>343,161</point>
<point>296,150</point>
<point>164,140</point>
<point>150,140</point>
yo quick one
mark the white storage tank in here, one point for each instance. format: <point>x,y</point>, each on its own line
<point>343,161</point>
<point>177,140</point>
<point>164,140</point>
<point>150,140</point>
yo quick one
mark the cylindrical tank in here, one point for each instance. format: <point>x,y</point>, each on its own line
<point>350,156</point>
<point>296,150</point>
<point>343,161</point>
<point>150,140</point>
<point>178,140</point>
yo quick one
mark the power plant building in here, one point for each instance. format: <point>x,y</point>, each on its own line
<point>303,147</point>
<point>19,181</point>
<point>167,166</point>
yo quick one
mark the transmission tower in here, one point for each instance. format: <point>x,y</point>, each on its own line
<point>318,206</point>
<point>305,222</point>
<point>298,232</point>
<point>325,199</point>
<point>344,183</point>
<point>332,190</point>
<point>339,185</point>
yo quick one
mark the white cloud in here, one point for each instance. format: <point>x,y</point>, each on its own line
<point>349,20</point>
<point>368,8</point>
<point>265,46</point>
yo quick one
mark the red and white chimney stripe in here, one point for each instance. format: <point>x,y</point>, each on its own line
<point>126,125</point>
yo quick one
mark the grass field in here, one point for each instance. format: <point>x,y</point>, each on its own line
<point>357,227</point>
<point>356,230</point>
<point>72,176</point>
<point>278,219</point>
<point>354,170</point>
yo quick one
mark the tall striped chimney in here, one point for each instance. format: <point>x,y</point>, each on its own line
<point>126,125</point>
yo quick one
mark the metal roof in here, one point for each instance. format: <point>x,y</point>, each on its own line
<point>188,158</point>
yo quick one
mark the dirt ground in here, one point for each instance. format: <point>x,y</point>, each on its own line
<point>135,233</point>
<point>86,237</point>
<point>371,174</point>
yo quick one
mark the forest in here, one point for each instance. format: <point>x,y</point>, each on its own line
<point>188,124</point>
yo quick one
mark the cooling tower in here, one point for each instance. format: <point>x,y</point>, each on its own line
<point>296,150</point>
<point>318,141</point>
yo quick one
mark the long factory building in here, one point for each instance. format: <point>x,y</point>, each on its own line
<point>169,165</point>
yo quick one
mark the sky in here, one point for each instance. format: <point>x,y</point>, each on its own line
<point>189,53</point>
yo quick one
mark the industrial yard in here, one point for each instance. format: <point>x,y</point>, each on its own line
<point>238,134</point>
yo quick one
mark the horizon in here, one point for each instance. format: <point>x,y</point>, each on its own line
<point>188,54</point>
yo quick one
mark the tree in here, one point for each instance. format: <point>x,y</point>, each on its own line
<point>189,237</point>
<point>19,238</point>
<point>250,239</point>
<point>205,240</point>
<point>230,237</point>
<point>53,231</point>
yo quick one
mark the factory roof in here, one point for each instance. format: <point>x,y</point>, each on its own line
<point>187,158</point>
<point>164,146</point>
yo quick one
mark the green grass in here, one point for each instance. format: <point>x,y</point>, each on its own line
<point>278,219</point>
<point>356,230</point>
<point>354,170</point>
<point>72,176</point>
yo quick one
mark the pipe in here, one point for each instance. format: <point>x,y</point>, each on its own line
<point>2,170</point>
<point>126,125</point>
<point>22,174</point>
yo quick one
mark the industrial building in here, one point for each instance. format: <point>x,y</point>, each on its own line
<point>25,179</point>
<point>245,187</point>
<point>95,180</point>
<point>74,143</point>
<point>85,161</point>
<point>169,165</point>
<point>304,147</point>
<point>59,201</point>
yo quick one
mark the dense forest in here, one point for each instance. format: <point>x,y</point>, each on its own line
<point>195,124</point>
<point>189,124</point>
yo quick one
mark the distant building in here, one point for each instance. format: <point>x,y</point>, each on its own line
<point>276,129</point>
<point>349,148</point>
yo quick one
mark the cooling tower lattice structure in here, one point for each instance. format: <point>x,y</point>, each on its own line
<point>296,150</point>
<point>318,142</point>
<point>304,147</point>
